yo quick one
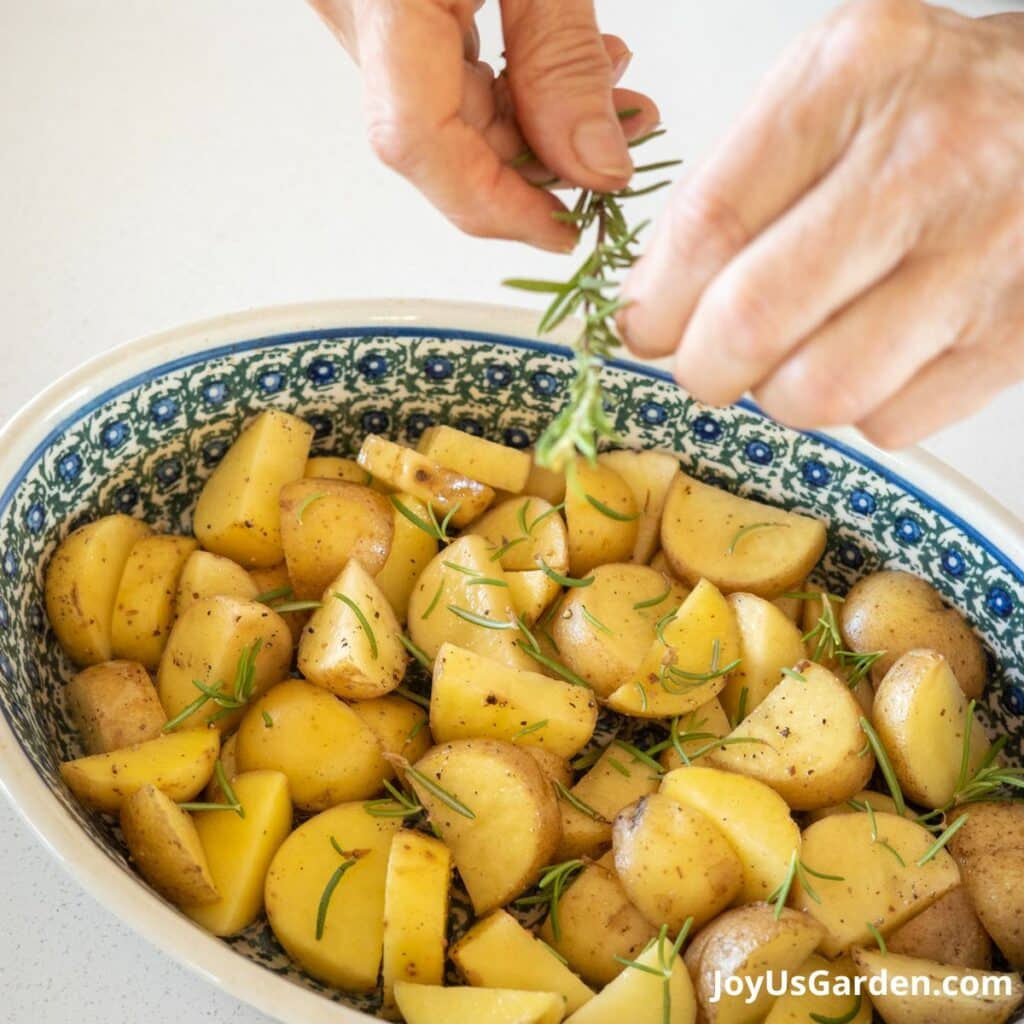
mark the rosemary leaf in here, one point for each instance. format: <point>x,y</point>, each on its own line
<point>364,622</point>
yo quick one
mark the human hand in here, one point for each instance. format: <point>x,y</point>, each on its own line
<point>853,252</point>
<point>441,118</point>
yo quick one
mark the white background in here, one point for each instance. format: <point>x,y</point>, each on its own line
<point>162,162</point>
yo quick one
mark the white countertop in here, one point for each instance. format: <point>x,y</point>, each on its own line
<point>163,162</point>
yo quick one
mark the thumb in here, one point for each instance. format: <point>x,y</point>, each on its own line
<point>561,79</point>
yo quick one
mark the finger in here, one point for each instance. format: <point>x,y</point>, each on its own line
<point>803,119</point>
<point>419,132</point>
<point>561,77</point>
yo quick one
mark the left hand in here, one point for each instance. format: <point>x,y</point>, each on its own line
<point>854,251</point>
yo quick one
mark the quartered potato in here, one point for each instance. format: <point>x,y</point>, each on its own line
<point>412,548</point>
<point>432,1004</point>
<point>208,575</point>
<point>497,465</point>
<point>948,932</point>
<point>113,705</point>
<point>602,517</point>
<point>649,476</point>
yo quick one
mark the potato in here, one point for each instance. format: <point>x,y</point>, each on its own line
<point>904,999</point>
<point>498,952</point>
<point>948,932</point>
<point>641,997</point>
<point>807,741</point>
<point>674,863</point>
<point>144,609</point>
<point>327,523</point>
<point>497,465</point>
<point>532,593</point>
<point>474,696</point>
<point>82,581</point>
<point>769,642</point>
<point>616,780</point>
<point>521,532</point>
<point>165,848</point>
<point>601,515</point>
<point>433,1004</point>
<point>701,726</point>
<point>649,476</point>
<point>920,714</point>
<point>791,607</point>
<point>879,887</point>
<point>332,467</point>
<point>399,725</point>
<point>208,575</point>
<point>682,669</point>
<point>352,645</point>
<point>508,827</point>
<point>237,514</point>
<point>878,802</point>
<point>178,764</point>
<point>597,923</point>
<point>447,582</point>
<point>753,817</point>
<point>408,471</point>
<point>211,642</point>
<point>114,705</point>
<point>557,769</point>
<point>328,753</point>
<point>411,552</point>
<point>736,543</point>
<point>896,612</point>
<point>991,825</point>
<point>602,634</point>
<point>833,1004</point>
<point>276,580</point>
<point>548,484</point>
<point>416,890</point>
<point>348,953</point>
<point>750,943</point>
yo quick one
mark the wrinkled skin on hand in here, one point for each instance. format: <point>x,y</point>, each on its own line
<point>853,251</point>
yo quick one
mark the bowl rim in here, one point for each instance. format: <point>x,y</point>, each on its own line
<point>29,430</point>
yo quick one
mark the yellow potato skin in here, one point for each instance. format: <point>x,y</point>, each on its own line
<point>546,538</point>
<point>165,848</point>
<point>208,575</point>
<point>145,606</point>
<point>649,476</point>
<point>497,465</point>
<point>82,581</point>
<point>594,536</point>
<point>948,932</point>
<point>237,514</point>
<point>114,704</point>
<point>178,764</point>
<point>349,954</point>
<point>411,552</point>
<point>459,1004</point>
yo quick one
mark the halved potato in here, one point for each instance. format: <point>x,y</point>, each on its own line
<point>473,696</point>
<point>696,731</point>
<point>524,531</point>
<point>811,1005</point>
<point>948,932</point>
<point>345,950</point>
<point>113,705</point>
<point>434,1004</point>
<point>400,726</point>
<point>736,543</point>
<point>411,552</point>
<point>602,517</point>
<point>82,581</point>
<point>178,764</point>
<point>497,465</point>
<point>351,646</point>
<point>327,523</point>
<point>207,575</point>
<point>237,514</point>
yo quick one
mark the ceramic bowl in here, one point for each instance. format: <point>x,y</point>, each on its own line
<point>139,429</point>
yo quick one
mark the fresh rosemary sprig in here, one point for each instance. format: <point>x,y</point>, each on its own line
<point>594,621</point>
<point>277,594</point>
<point>553,883</point>
<point>349,859</point>
<point>417,652</point>
<point>798,871</point>
<point>560,579</point>
<point>431,786</point>
<point>433,601</point>
<point>430,526</point>
<point>940,843</point>
<point>481,620</point>
<point>877,936</point>
<point>888,772</point>
<point>990,777</point>
<point>245,679</point>
<point>233,803</point>
<point>584,808</point>
<point>666,964</point>
<point>874,831</point>
<point>400,804</point>
<point>296,606</point>
<point>416,698</point>
<point>591,291</point>
<point>653,602</point>
<point>364,622</point>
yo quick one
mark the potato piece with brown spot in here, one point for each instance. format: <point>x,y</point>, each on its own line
<point>114,705</point>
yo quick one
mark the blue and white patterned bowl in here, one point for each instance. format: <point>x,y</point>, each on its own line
<point>138,431</point>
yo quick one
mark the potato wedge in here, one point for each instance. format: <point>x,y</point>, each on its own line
<point>696,731</point>
<point>602,517</point>
<point>347,953</point>
<point>213,642</point>
<point>411,551</point>
<point>474,696</point>
<point>351,646</point>
<point>237,514</point>
<point>113,705</point>
<point>144,609</point>
<point>164,846</point>
<point>605,630</point>
<point>674,863</point>
<point>498,952</point>
<point>896,612</point>
<point>327,523</point>
<point>879,887</point>
<point>416,890</point>
<point>683,668</point>
<point>524,531</point>
<point>948,932</point>
<point>333,467</point>
<point>178,764</point>
<point>497,465</point>
<point>918,1001</point>
<point>495,783</point>
<point>82,581</point>
<point>708,533</point>
<point>769,642</point>
<point>806,738</point>
<point>920,714</point>
<point>400,726</point>
<point>433,1004</point>
<point>208,575</point>
<point>831,1004</point>
<point>753,817</point>
<point>408,471</point>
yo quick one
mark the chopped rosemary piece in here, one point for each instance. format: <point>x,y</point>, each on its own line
<point>825,633</point>
<point>554,952</point>
<point>607,510</point>
<point>943,839</point>
<point>306,502</point>
<point>580,805</point>
<point>399,805</point>
<point>432,527</point>
<point>594,621</point>
<point>798,871</point>
<point>547,512</point>
<point>553,882</point>
<point>527,730</point>
<point>233,803</point>
<point>464,569</point>
<point>877,936</point>
<point>433,601</point>
<point>350,859</point>
<point>415,731</point>
<point>990,777</point>
<point>417,652</point>
<point>500,553</point>
<point>416,698</point>
<point>563,581</point>
<point>245,679</point>
<point>638,755</point>
<point>273,595</point>
<point>847,1018</point>
<point>666,964</point>
<point>643,696</point>
<point>654,601</point>
<point>431,786</point>
<point>888,772</point>
<point>745,531</point>
<point>267,720</point>
<point>364,622</point>
<point>811,595</point>
<point>480,620</point>
<point>556,666</point>
<point>793,674</point>
<point>486,581</point>
<point>295,606</point>
<point>884,843</point>
<point>620,767</point>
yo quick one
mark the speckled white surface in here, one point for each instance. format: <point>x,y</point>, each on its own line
<point>166,162</point>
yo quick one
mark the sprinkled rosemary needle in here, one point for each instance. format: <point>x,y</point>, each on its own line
<point>364,622</point>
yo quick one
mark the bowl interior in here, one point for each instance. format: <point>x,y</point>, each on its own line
<point>145,447</point>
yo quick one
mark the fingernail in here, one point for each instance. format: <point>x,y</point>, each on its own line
<point>599,144</point>
<point>619,67</point>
